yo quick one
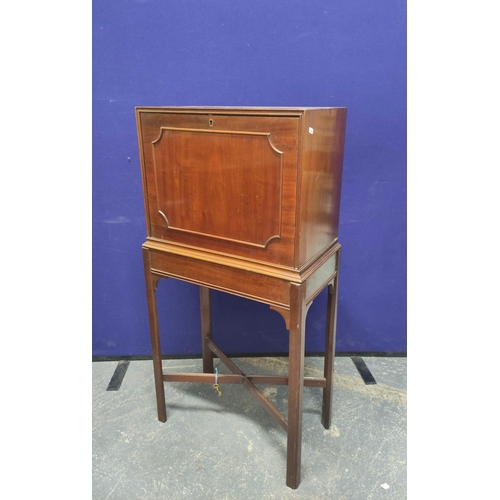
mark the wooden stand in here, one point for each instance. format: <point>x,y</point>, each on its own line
<point>295,318</point>
<point>246,201</point>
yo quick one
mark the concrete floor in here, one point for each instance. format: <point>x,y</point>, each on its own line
<point>229,448</point>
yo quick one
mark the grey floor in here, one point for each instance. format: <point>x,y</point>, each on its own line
<point>228,447</point>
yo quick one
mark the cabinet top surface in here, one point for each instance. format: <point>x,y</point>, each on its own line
<point>231,109</point>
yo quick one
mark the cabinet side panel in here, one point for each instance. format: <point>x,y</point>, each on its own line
<point>322,159</point>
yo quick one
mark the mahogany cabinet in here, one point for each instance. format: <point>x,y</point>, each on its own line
<point>246,201</point>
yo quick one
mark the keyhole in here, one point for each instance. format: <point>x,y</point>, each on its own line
<point>211,122</point>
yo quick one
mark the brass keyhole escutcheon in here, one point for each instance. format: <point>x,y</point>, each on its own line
<point>211,122</point>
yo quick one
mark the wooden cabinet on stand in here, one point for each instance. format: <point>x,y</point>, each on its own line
<point>246,201</point>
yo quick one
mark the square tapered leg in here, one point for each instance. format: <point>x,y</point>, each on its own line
<point>331,327</point>
<point>151,284</point>
<point>206,329</point>
<point>295,384</point>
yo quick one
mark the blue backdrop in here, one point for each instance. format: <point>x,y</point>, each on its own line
<point>258,53</point>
